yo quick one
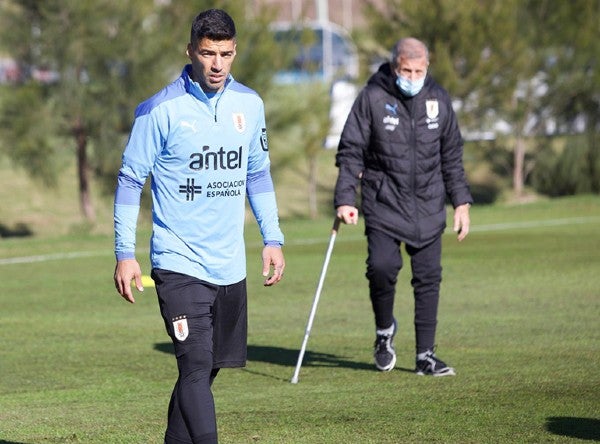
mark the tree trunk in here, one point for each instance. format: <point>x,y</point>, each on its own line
<point>519,166</point>
<point>593,159</point>
<point>83,170</point>
<point>312,186</point>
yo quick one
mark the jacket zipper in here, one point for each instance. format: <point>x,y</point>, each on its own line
<point>413,168</point>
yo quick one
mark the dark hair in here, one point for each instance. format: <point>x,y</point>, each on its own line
<point>214,24</point>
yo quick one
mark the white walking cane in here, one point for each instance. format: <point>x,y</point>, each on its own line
<point>334,230</point>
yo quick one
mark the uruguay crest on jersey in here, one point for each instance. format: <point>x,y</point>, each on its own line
<point>432,108</point>
<point>433,111</point>
<point>239,121</point>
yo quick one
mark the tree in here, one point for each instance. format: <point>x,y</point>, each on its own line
<point>99,54</point>
<point>493,57</point>
<point>309,118</point>
<point>572,72</point>
<point>478,52</point>
<point>105,57</point>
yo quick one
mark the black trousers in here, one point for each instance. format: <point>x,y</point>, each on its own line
<point>384,262</point>
<point>208,326</point>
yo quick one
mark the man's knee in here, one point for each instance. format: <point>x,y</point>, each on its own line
<point>380,270</point>
<point>195,360</point>
<point>432,276</point>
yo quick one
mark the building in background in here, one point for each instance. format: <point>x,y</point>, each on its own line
<point>345,13</point>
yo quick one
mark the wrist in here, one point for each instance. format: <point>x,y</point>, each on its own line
<point>123,255</point>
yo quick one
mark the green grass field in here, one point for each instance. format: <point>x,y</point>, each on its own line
<point>518,320</point>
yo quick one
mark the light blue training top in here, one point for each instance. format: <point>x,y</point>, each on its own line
<point>204,156</point>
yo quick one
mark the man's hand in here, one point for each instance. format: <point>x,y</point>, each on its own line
<point>462,221</point>
<point>272,256</point>
<point>126,271</point>
<point>348,214</point>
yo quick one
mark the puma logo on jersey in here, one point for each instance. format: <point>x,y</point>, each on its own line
<point>190,125</point>
<point>392,109</point>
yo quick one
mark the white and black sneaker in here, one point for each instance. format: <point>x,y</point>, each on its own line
<point>431,365</point>
<point>385,355</point>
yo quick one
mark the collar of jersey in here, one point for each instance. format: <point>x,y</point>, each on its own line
<point>194,89</point>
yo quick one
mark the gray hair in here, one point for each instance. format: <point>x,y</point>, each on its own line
<point>409,47</point>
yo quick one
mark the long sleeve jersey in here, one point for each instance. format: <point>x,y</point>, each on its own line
<point>204,155</point>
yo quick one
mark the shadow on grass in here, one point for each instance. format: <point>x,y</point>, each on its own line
<point>580,428</point>
<point>19,230</point>
<point>2,441</point>
<point>289,357</point>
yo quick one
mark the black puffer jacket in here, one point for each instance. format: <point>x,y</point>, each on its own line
<point>407,155</point>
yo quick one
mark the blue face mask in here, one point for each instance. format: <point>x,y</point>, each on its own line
<point>410,87</point>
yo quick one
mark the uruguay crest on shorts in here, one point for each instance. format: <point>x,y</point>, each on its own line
<point>180,328</point>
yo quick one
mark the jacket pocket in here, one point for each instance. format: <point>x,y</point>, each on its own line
<point>380,187</point>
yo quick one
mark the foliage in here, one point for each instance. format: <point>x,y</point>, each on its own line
<point>518,320</point>
<point>572,72</point>
<point>530,64</point>
<point>94,71</point>
<point>303,127</point>
<point>25,122</point>
<point>569,172</point>
<point>513,62</point>
<point>108,56</point>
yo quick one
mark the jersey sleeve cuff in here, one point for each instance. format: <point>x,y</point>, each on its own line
<point>122,255</point>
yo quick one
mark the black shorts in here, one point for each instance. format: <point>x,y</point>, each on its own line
<point>201,314</point>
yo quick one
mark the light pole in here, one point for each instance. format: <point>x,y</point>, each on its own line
<point>323,19</point>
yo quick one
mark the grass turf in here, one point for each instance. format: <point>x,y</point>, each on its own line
<point>518,319</point>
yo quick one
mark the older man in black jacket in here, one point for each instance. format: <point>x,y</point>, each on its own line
<point>402,144</point>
